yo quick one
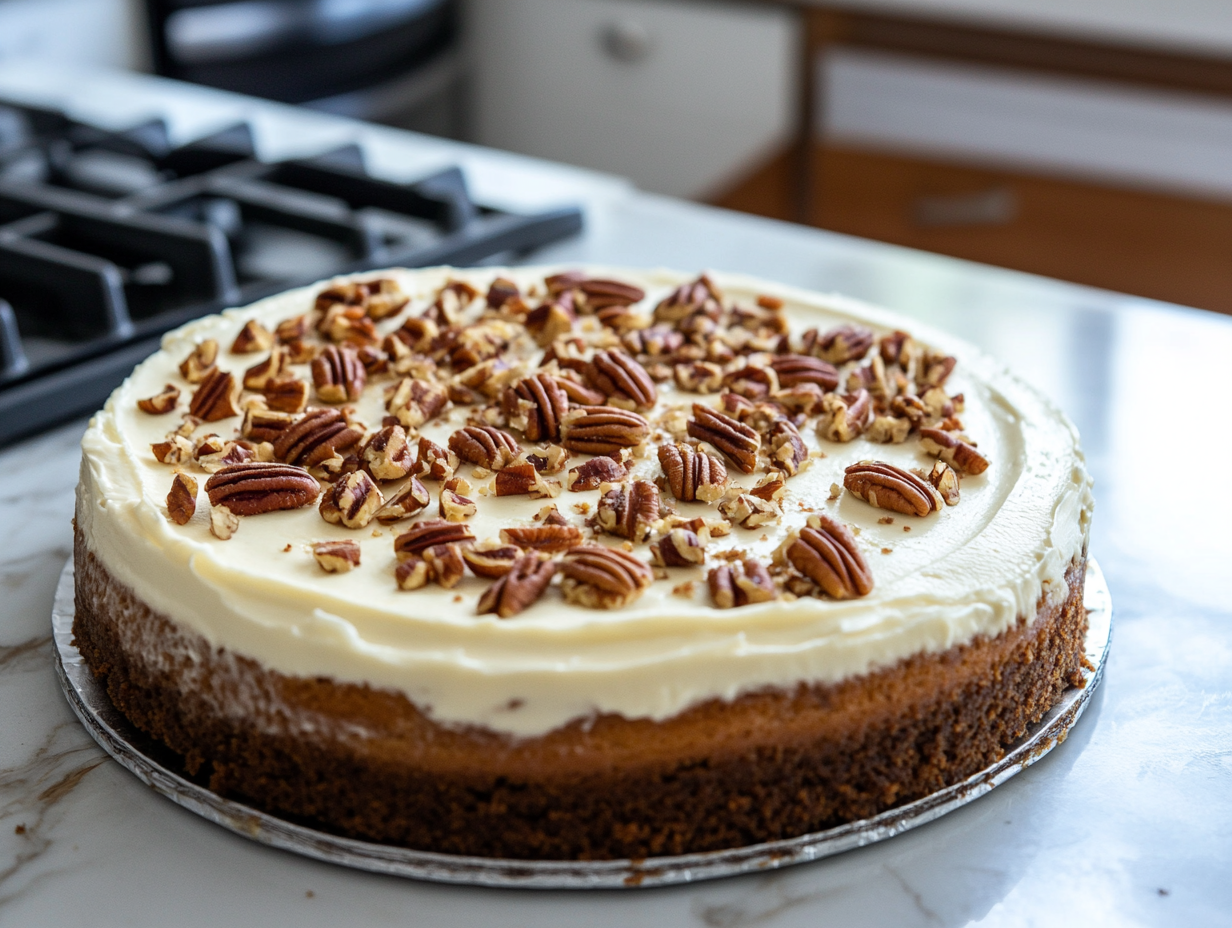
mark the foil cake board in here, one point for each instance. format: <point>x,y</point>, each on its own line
<point>136,752</point>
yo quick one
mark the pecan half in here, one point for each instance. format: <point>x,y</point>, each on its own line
<point>629,511</point>
<point>338,374</point>
<point>844,418</point>
<point>800,368</point>
<point>433,462</point>
<point>254,488</point>
<point>415,401</point>
<point>825,551</point>
<point>599,577</point>
<point>787,449</point>
<point>200,361</point>
<point>742,583</point>
<point>523,478</point>
<point>602,429</point>
<point>692,474</point>
<point>272,369</point>
<point>491,559</point>
<point>550,538</point>
<point>622,380</point>
<point>352,501</point>
<point>888,487</point>
<point>594,293</point>
<point>839,345</point>
<point>484,446</point>
<point>944,478</point>
<point>953,450</point>
<point>253,337</point>
<point>287,395</point>
<point>216,397</point>
<point>387,454</point>
<point>591,474</point>
<point>524,583</point>
<point>678,548</point>
<point>736,440</point>
<point>336,557</point>
<point>699,377</point>
<point>428,533</point>
<point>536,405</point>
<point>182,499</point>
<point>315,437</point>
<point>161,403</point>
<point>411,498</point>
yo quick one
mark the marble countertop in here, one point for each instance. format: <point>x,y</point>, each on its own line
<point>1128,822</point>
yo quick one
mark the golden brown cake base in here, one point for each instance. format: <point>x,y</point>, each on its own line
<point>366,763</point>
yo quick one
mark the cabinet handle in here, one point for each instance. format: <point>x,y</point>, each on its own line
<point>626,40</point>
<point>994,207</point>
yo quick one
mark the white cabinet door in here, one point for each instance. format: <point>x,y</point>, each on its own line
<point>681,97</point>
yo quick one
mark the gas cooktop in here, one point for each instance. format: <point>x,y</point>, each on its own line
<point>108,239</point>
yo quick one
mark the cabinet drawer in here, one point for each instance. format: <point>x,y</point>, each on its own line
<point>679,96</point>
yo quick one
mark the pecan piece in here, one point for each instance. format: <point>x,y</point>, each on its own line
<point>336,557</point>
<point>484,446</point>
<point>445,564</point>
<point>598,470</point>
<point>523,478</point>
<point>888,430</point>
<point>287,395</point>
<point>692,474</point>
<point>433,462</point>
<point>264,425</point>
<point>599,577</point>
<point>787,449</point>
<point>454,507</point>
<point>800,368</point>
<point>428,533</point>
<point>161,403</point>
<point>839,345</point>
<point>175,450</point>
<point>751,382</point>
<point>699,295</point>
<point>844,418</point>
<point>182,499</point>
<point>387,454</point>
<point>223,523</point>
<point>945,479</point>
<point>678,548</point>
<point>749,511</point>
<point>352,501</point>
<point>552,319</point>
<point>252,338</point>
<point>491,559</point>
<point>519,588</point>
<point>253,488</point>
<point>536,405</point>
<point>338,374</point>
<point>740,584</point>
<point>412,498</point>
<point>825,551</point>
<point>772,488</point>
<point>885,486</point>
<point>550,537</point>
<point>953,450</point>
<point>629,511</point>
<point>315,437</point>
<point>594,293</point>
<point>216,397</point>
<point>200,361</point>
<point>656,341</point>
<point>415,401</point>
<point>735,439</point>
<point>271,370</point>
<point>622,380</point>
<point>699,377</point>
<point>412,573</point>
<point>602,429</point>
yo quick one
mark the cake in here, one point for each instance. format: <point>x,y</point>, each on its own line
<point>558,563</point>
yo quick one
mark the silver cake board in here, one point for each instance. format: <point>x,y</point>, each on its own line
<point>137,752</point>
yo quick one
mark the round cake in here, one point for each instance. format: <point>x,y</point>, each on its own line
<point>559,563</point>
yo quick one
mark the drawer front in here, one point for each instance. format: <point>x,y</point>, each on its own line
<point>679,96</point>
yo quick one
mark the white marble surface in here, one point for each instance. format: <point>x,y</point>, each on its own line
<point>1128,822</point>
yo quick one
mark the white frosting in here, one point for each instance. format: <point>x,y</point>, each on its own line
<point>969,570</point>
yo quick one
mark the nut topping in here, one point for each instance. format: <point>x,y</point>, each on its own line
<point>945,480</point>
<point>427,533</point>
<point>182,500</point>
<point>387,454</point>
<point>749,511</point>
<point>287,395</point>
<point>315,437</point>
<point>264,425</point>
<point>692,474</point>
<point>454,507</point>
<point>223,523</point>
<point>161,403</point>
<point>272,369</point>
<point>523,478</point>
<point>549,537</point>
<point>536,405</point>
<point>336,557</point>
<point>175,450</point>
<point>445,564</point>
<point>700,295</point>
<point>740,584</point>
<point>484,446</point>
<point>252,338</point>
<point>953,450</point>
<point>844,418</point>
<point>200,361</point>
<point>352,501</point>
<point>433,462</point>
<point>216,398</point>
<point>678,548</point>
<point>629,511</point>
<point>412,498</point>
<point>591,474</point>
<point>338,374</point>
<point>602,429</point>
<point>736,440</point>
<point>787,449</point>
<point>491,559</point>
<point>415,401</point>
<point>254,488</point>
<point>524,583</point>
<point>699,377</point>
<point>599,577</point>
<point>622,380</point>
<point>825,551</point>
<point>888,487</point>
<point>793,369</point>
<point>840,345</point>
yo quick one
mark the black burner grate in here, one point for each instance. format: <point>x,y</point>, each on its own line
<point>109,239</point>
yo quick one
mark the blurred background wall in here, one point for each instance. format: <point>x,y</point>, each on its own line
<point>1084,139</point>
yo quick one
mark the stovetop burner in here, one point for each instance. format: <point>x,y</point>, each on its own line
<point>108,239</point>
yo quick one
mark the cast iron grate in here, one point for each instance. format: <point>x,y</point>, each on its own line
<point>109,239</point>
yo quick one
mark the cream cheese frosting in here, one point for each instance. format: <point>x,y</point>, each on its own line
<point>970,570</point>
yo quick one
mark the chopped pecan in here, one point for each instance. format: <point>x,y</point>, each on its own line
<point>175,450</point>
<point>888,487</point>
<point>287,395</point>
<point>549,537</point>
<point>629,510</point>
<point>749,511</point>
<point>621,319</point>
<point>454,507</point>
<point>200,361</point>
<point>253,488</point>
<point>772,488</point>
<point>523,478</point>
<point>519,588</point>
<point>698,296</point>
<point>825,551</point>
<point>888,430</point>
<point>839,345</point>
<point>752,382</point>
<point>551,320</point>
<point>433,462</point>
<point>344,323</point>
<point>412,573</point>
<point>491,559</point>
<point>598,470</point>
<point>352,501</point>
<point>216,397</point>
<point>787,449</point>
<point>230,453</point>
<point>602,429</point>
<point>870,377</point>
<point>338,374</point>
<point>253,337</point>
<point>656,341</point>
<point>935,370</point>
<point>910,408</point>
<point>374,360</point>
<point>953,450</point>
<point>742,583</point>
<point>410,499</point>
<point>692,474</point>
<point>336,557</point>
<point>501,291</point>
<point>264,425</point>
<point>300,351</point>
<point>417,333</point>
<point>316,436</point>
<point>387,454</point>
<point>844,418</point>
<point>699,377</point>
<point>161,403</point>
<point>384,298</point>
<point>599,577</point>
<point>272,369</point>
<point>428,533</point>
<point>484,446</point>
<point>678,548</point>
<point>182,499</point>
<point>536,404</point>
<point>945,479</point>
<point>415,401</point>
<point>738,441</point>
<point>445,564</point>
<point>705,528</point>
<point>897,348</point>
<point>223,523</point>
<point>800,368</point>
<point>292,329</point>
<point>622,380</point>
<point>548,459</point>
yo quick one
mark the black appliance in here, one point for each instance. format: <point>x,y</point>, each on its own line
<point>109,239</point>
